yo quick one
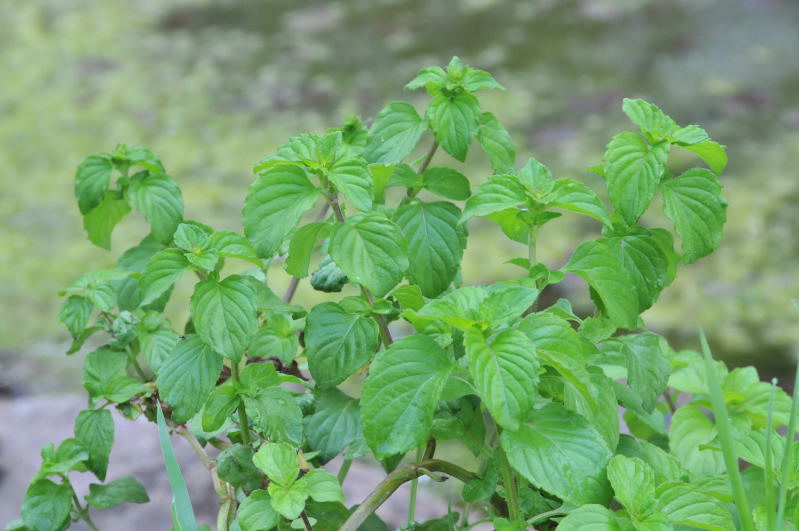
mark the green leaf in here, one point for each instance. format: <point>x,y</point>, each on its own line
<point>446,182</point>
<point>435,241</point>
<point>323,486</point>
<point>274,206</point>
<point>234,465</point>
<point>338,343</point>
<point>499,192</point>
<point>91,181</point>
<point>474,80</point>
<point>276,414</point>
<point>599,405</point>
<point>508,300</point>
<point>689,135</point>
<point>665,466</point>
<point>191,236</point>
<point>633,481</point>
<point>100,221</point>
<point>577,197</point>
<point>105,376</point>
<point>274,341</point>
<point>351,177</point>
<point>71,455</point>
<point>454,121</point>
<point>603,272</point>
<point>459,308</point>
<point>334,425</point>
<point>302,246</point>
<point>220,405</point>
<point>46,505</point>
<point>229,244</point>
<point>561,453</point>
<point>278,461</point>
<point>633,170</point>
<point>644,263</point>
<point>497,143</point>
<point>395,133</point>
<point>329,278</point>
<point>400,395</point>
<point>691,430</point>
<point>156,345</point>
<point>182,510</point>
<point>687,505</point>
<point>693,201</point>
<point>256,512</point>
<point>122,490</point>
<point>713,153</point>
<point>161,273</point>
<point>94,428</point>
<point>505,373</point>
<point>647,367</point>
<point>141,156</point>
<point>159,199</point>
<point>289,501</point>
<point>590,517</point>
<point>75,314</point>
<point>187,377</point>
<point>371,250</point>
<point>649,118</point>
<point>102,296</point>
<point>225,314</point>
<point>431,77</point>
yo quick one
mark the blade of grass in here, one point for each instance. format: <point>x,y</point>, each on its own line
<point>182,511</point>
<point>726,439</point>
<point>786,458</point>
<point>768,472</point>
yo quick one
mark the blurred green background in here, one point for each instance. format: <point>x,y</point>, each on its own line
<point>214,85</point>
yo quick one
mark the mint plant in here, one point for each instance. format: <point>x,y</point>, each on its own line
<point>415,355</point>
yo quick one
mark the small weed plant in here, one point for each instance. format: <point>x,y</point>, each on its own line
<point>534,392</point>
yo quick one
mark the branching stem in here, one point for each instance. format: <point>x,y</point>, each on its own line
<point>403,475</point>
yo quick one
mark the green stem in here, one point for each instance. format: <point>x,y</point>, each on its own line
<point>428,158</point>
<point>414,488</point>
<point>292,289</point>
<point>244,424</point>
<point>403,475</point>
<point>133,361</point>
<point>84,513</point>
<point>223,515</point>
<point>543,516</point>
<point>768,473</point>
<point>342,472</point>
<point>510,485</point>
<point>726,438</point>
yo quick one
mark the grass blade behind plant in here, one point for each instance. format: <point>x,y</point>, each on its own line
<point>725,436</point>
<point>768,472</point>
<point>182,511</point>
<point>786,458</point>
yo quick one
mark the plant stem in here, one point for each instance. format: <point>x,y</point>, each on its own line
<point>403,475</point>
<point>306,521</point>
<point>222,516</point>
<point>543,516</point>
<point>768,473</point>
<point>342,472</point>
<point>510,485</point>
<point>428,158</point>
<point>84,513</point>
<point>294,282</point>
<point>133,361</point>
<point>414,488</point>
<point>726,438</point>
<point>244,424</point>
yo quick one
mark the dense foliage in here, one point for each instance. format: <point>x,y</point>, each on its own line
<point>533,392</point>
